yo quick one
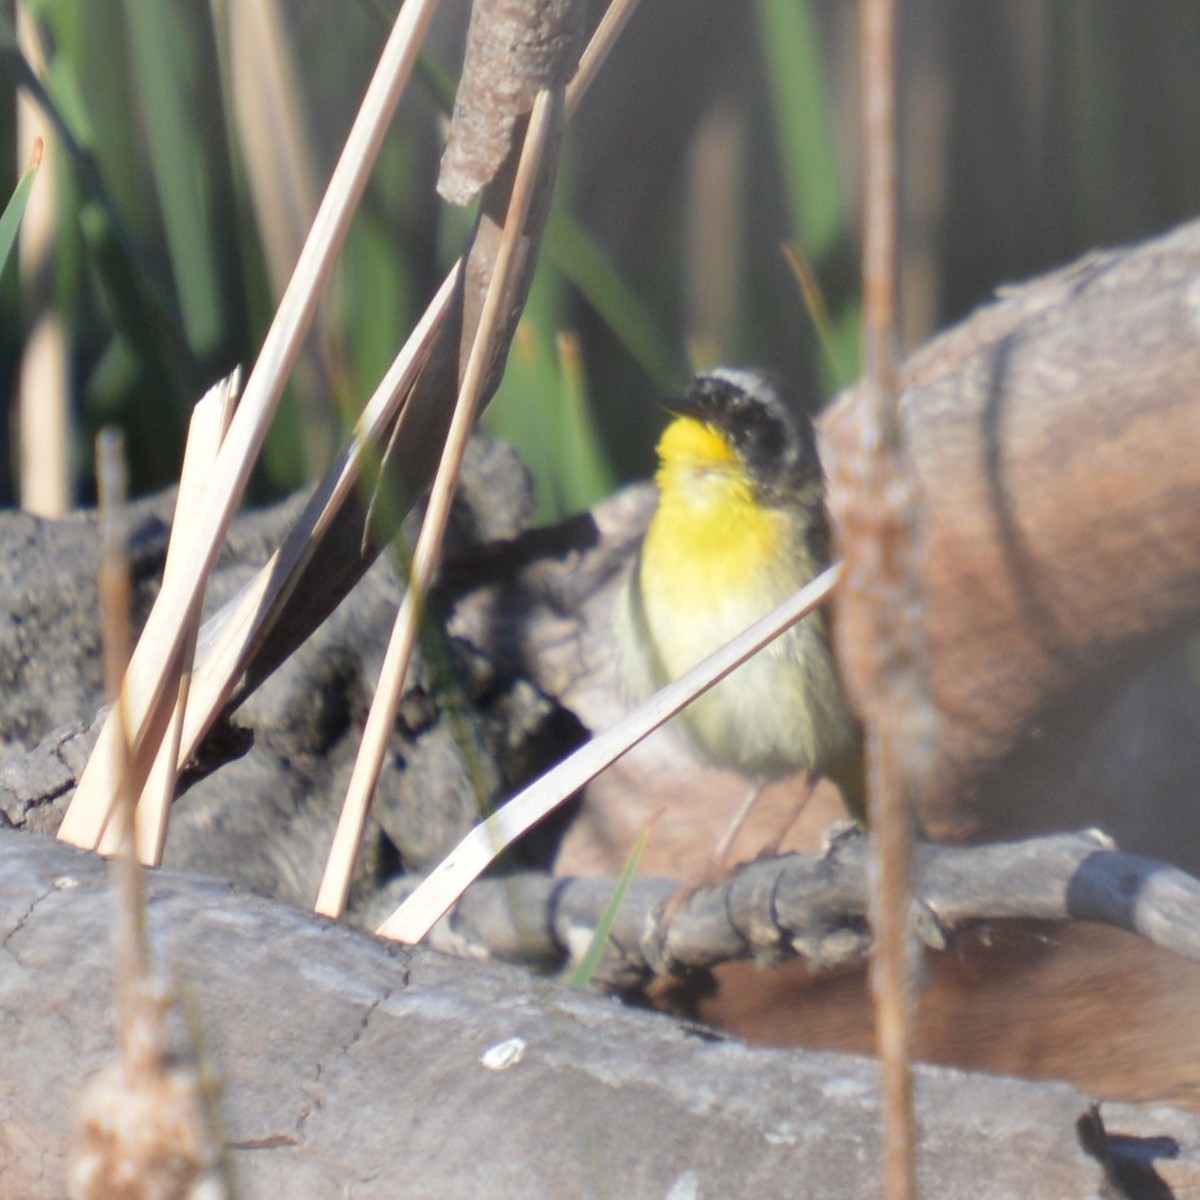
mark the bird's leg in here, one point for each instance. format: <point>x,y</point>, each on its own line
<point>771,849</point>
<point>717,868</point>
<point>716,860</point>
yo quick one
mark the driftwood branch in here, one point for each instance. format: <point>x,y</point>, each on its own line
<point>814,905</point>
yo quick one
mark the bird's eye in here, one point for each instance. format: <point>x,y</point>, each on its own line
<point>763,442</point>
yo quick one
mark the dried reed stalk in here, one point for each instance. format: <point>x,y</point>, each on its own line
<point>146,691</point>
<point>208,427</point>
<point>544,123</point>
<point>873,497</point>
<point>44,390</point>
<point>147,1125</point>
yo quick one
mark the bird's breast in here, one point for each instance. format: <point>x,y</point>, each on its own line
<point>709,569</point>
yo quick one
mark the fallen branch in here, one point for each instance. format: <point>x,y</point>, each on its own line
<point>814,905</point>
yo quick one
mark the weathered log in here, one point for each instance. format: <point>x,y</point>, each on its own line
<point>345,1065</point>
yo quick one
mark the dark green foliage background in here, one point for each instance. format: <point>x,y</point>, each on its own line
<point>1034,130</point>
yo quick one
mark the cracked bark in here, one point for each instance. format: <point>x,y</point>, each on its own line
<point>404,1105</point>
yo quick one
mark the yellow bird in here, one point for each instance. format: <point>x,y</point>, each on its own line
<point>740,526</point>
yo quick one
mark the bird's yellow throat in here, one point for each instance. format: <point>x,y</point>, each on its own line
<point>710,536</point>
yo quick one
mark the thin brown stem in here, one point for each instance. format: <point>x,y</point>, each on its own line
<point>880,233</point>
<point>615,18</point>
<point>886,575</point>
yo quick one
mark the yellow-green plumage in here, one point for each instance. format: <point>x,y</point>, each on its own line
<point>740,527</point>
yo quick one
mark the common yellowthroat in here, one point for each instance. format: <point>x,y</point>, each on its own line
<point>740,526</point>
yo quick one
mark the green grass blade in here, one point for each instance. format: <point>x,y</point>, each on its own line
<point>525,409</point>
<point>584,973</point>
<point>569,247</point>
<point>169,64</point>
<point>803,125</point>
<point>586,476</point>
<point>14,210</point>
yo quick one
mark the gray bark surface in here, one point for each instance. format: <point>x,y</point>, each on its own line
<point>347,1066</point>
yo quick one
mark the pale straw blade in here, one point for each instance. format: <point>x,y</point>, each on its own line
<point>145,690</point>
<point>616,17</point>
<point>208,426</point>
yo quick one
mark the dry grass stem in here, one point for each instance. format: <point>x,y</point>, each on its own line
<point>815,306</point>
<point>146,691</point>
<point>239,636</point>
<point>209,424</point>
<point>265,87</point>
<point>616,17</point>
<point>114,589</point>
<point>270,126</point>
<point>44,386</point>
<point>335,886</point>
<point>471,857</point>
